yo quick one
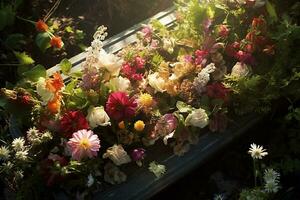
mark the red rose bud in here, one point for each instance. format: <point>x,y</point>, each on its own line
<point>56,42</point>
<point>41,26</point>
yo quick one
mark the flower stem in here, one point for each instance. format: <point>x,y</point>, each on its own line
<point>254,171</point>
<point>26,20</point>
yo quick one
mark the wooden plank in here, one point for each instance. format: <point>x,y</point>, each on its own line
<point>141,184</point>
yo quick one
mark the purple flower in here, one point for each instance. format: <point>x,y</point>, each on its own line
<point>138,154</point>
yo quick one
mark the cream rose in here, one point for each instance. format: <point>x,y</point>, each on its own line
<point>197,118</point>
<point>156,82</point>
<point>117,154</point>
<point>240,70</point>
<point>98,117</point>
<point>119,84</point>
<point>110,62</point>
<point>43,92</point>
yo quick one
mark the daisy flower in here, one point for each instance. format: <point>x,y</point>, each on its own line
<point>257,152</point>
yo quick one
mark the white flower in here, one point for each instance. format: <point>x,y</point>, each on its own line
<point>41,89</point>
<point>117,154</point>
<point>257,152</point>
<point>90,180</point>
<point>18,144</point>
<point>119,84</point>
<point>240,70</point>
<point>219,197</point>
<point>271,187</point>
<point>203,77</point>
<point>4,153</point>
<point>22,155</point>
<point>271,178</point>
<point>156,82</point>
<point>157,169</point>
<point>98,117</point>
<point>197,118</point>
<point>168,44</point>
<point>110,62</point>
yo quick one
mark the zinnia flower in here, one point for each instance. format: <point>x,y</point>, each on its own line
<point>56,42</point>
<point>83,144</point>
<point>120,107</point>
<point>73,121</point>
<point>41,26</point>
<point>257,152</point>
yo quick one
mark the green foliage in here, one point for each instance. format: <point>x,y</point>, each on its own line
<point>65,66</point>
<point>23,58</point>
<point>7,16</point>
<point>35,73</point>
<point>42,40</point>
<point>15,41</point>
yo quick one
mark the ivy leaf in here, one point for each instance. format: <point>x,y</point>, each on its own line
<point>65,66</point>
<point>42,40</point>
<point>183,107</point>
<point>23,58</point>
<point>35,73</point>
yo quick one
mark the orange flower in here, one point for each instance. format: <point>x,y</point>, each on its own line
<point>54,105</point>
<point>56,83</point>
<point>56,42</point>
<point>41,26</point>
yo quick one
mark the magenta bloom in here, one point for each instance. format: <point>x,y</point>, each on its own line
<point>138,154</point>
<point>119,106</point>
<point>83,144</point>
<point>200,56</point>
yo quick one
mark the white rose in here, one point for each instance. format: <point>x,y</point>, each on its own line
<point>41,89</point>
<point>156,82</point>
<point>110,62</point>
<point>119,84</point>
<point>117,154</point>
<point>97,117</point>
<point>240,70</point>
<point>197,118</point>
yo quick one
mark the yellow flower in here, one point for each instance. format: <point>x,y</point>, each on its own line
<point>145,100</point>
<point>139,125</point>
<point>121,125</point>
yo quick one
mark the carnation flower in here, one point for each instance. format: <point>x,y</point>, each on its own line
<point>119,84</point>
<point>110,62</point>
<point>83,144</point>
<point>257,152</point>
<point>217,91</point>
<point>56,42</point>
<point>157,169</point>
<point>197,118</point>
<point>117,154</point>
<point>73,121</point>
<point>156,82</point>
<point>18,144</point>
<point>41,26</point>
<point>134,70</point>
<point>240,70</point>
<point>97,117</point>
<point>120,107</point>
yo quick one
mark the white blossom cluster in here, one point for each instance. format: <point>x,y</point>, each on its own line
<point>203,77</point>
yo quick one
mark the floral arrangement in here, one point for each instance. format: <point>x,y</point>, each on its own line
<point>170,86</point>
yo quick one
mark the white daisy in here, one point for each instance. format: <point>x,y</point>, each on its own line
<point>257,152</point>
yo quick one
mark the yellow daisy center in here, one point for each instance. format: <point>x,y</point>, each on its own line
<point>84,143</point>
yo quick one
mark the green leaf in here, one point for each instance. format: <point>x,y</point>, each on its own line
<point>7,16</point>
<point>183,107</point>
<point>42,40</point>
<point>69,29</point>
<point>23,58</point>
<point>15,40</point>
<point>35,73</point>
<point>271,11</point>
<point>65,66</point>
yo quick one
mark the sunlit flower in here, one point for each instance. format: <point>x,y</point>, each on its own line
<point>157,169</point>
<point>119,84</point>
<point>43,91</point>
<point>145,100</point>
<point>83,144</point>
<point>41,26</point>
<point>119,106</point>
<point>257,152</point>
<point>139,125</point>
<point>56,42</point>
<point>117,154</point>
<point>156,82</point>
<point>4,153</point>
<point>98,117</point>
<point>22,155</point>
<point>55,84</point>
<point>18,144</point>
<point>73,121</point>
<point>197,118</point>
<point>54,105</point>
<point>110,62</point>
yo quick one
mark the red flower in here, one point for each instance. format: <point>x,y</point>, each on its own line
<point>73,121</point>
<point>245,57</point>
<point>258,22</point>
<point>200,55</point>
<point>217,91</point>
<point>231,49</point>
<point>41,26</point>
<point>133,71</point>
<point>56,42</point>
<point>120,107</point>
<point>223,31</point>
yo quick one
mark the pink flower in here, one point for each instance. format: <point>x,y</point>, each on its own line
<point>134,70</point>
<point>200,56</point>
<point>120,107</point>
<point>223,31</point>
<point>245,57</point>
<point>83,144</point>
